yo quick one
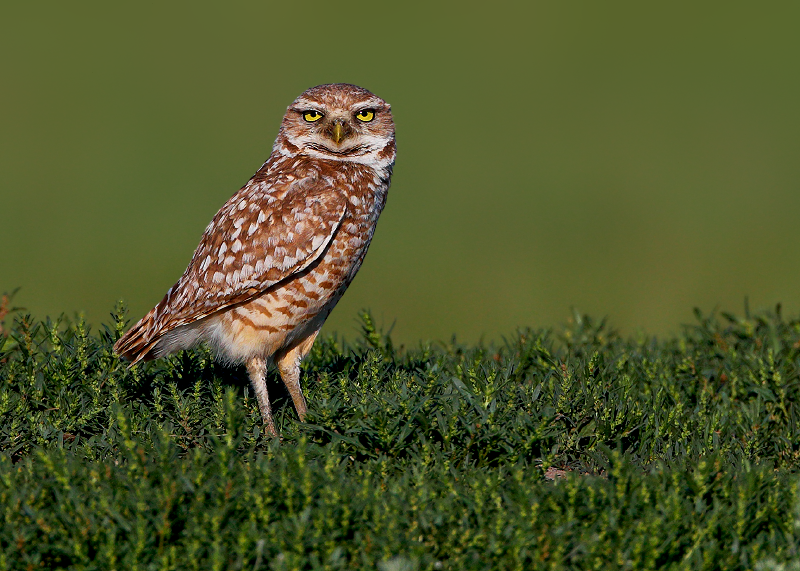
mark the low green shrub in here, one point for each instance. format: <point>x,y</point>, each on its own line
<point>677,453</point>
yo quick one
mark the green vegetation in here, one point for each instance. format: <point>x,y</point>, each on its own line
<point>556,449</point>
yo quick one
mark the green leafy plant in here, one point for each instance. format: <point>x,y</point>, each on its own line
<point>573,448</point>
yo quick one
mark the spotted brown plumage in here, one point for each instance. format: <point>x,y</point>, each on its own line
<point>280,253</point>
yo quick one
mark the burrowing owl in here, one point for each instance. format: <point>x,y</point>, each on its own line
<point>281,252</point>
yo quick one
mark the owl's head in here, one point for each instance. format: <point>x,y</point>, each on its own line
<point>340,122</point>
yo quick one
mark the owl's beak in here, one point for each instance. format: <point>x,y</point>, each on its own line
<point>339,131</point>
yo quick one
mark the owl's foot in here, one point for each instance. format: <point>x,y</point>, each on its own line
<point>257,369</point>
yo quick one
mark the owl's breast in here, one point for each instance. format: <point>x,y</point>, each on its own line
<point>299,305</point>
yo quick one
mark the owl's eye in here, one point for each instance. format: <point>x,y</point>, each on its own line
<point>312,116</point>
<point>365,115</point>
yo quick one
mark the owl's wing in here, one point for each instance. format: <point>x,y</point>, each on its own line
<point>262,236</point>
<point>251,246</point>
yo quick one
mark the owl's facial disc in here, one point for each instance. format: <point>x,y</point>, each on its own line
<point>340,122</point>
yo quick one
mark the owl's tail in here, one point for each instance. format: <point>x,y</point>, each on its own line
<point>138,343</point>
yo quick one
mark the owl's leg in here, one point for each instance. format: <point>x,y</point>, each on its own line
<point>288,364</point>
<point>257,369</point>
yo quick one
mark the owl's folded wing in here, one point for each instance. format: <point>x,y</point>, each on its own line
<point>257,240</point>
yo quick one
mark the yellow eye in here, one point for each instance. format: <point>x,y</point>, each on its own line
<point>312,116</point>
<point>365,115</point>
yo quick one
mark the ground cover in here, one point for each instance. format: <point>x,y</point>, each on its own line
<point>568,448</point>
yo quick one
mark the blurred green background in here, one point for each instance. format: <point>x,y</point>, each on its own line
<point>627,159</point>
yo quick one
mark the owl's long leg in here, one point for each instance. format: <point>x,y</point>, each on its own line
<point>288,364</point>
<point>257,369</point>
